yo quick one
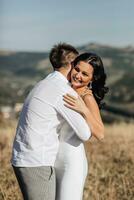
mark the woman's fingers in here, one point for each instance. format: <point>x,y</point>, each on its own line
<point>71,107</point>
<point>76,104</point>
<point>71,96</point>
<point>69,101</point>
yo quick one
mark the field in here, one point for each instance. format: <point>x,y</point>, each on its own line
<point>111,165</point>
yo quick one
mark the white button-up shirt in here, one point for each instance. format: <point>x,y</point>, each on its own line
<point>36,142</point>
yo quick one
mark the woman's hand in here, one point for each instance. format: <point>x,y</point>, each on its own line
<point>76,104</point>
<point>88,108</point>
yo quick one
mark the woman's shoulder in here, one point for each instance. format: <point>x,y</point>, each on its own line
<point>87,93</point>
<point>88,98</point>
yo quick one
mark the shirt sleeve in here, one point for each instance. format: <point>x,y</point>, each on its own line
<point>75,120</point>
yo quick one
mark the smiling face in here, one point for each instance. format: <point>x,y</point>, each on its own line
<point>81,74</point>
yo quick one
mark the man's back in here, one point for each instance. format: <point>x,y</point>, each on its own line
<point>36,142</point>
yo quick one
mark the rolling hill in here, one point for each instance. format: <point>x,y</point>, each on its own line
<point>19,71</point>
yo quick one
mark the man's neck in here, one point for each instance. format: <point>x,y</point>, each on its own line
<point>65,73</point>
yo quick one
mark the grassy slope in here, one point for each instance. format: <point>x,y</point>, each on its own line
<point>111,165</point>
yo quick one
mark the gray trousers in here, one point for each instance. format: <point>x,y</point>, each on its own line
<point>36,183</point>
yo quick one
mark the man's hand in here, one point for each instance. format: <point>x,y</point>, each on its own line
<point>84,91</point>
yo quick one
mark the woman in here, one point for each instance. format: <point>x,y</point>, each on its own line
<point>88,80</point>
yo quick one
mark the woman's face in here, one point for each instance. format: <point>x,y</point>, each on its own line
<point>81,74</point>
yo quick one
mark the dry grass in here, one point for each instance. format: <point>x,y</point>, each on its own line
<point>111,165</point>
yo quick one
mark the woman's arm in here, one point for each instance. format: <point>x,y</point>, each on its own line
<point>90,111</point>
<point>93,117</point>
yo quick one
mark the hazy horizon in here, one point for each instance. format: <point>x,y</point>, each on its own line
<point>76,46</point>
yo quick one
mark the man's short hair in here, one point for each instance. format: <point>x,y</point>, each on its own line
<point>62,54</point>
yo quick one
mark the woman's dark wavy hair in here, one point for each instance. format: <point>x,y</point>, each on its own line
<point>99,77</point>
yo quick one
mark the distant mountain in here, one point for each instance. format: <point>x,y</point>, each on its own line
<point>19,71</point>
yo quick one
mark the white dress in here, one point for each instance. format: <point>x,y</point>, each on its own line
<point>71,166</point>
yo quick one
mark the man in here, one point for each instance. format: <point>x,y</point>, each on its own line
<point>36,141</point>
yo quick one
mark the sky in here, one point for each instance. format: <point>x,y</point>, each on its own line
<point>36,25</point>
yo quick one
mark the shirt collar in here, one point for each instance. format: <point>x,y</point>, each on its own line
<point>61,76</point>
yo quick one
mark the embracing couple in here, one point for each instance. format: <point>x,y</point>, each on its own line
<point>59,114</point>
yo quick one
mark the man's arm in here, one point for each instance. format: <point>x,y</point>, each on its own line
<point>75,120</point>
